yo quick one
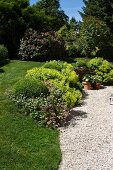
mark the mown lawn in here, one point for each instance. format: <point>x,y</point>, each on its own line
<point>23,146</point>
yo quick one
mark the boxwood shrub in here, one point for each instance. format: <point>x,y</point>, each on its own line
<point>30,87</point>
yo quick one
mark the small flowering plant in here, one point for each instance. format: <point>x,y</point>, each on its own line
<point>87,78</point>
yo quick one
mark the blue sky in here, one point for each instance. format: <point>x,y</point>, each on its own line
<point>71,7</point>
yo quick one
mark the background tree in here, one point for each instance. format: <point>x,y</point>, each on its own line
<point>14,16</point>
<point>51,8</point>
<point>74,24</point>
<point>101,9</point>
<point>39,21</point>
<point>69,33</point>
<point>94,36</point>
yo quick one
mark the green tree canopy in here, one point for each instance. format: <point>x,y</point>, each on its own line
<point>101,9</point>
<point>51,9</point>
<point>14,16</point>
<point>73,23</point>
<point>94,36</point>
<point>69,33</point>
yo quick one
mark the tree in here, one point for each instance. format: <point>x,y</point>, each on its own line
<point>73,23</point>
<point>69,33</point>
<point>14,16</point>
<point>94,36</point>
<point>39,21</point>
<point>101,9</point>
<point>51,8</point>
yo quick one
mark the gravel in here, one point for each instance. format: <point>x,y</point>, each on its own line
<point>87,143</point>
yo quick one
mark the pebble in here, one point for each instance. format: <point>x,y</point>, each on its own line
<point>87,143</point>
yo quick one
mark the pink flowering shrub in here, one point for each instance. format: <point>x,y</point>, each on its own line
<point>41,46</point>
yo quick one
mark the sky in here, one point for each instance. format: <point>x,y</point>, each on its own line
<point>71,7</point>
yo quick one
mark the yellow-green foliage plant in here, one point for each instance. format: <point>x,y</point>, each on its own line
<point>102,68</point>
<point>44,74</point>
<point>108,78</point>
<point>63,77</point>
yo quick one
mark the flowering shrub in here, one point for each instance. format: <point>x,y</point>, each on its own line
<point>41,46</point>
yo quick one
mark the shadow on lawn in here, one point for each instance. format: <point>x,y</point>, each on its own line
<point>2,71</point>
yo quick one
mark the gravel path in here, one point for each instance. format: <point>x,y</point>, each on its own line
<point>87,143</point>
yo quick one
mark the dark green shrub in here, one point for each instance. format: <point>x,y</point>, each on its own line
<point>72,51</point>
<point>30,87</point>
<point>70,36</point>
<point>3,55</point>
<point>106,53</point>
<point>41,46</point>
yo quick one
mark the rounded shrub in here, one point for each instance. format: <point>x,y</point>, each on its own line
<point>3,55</point>
<point>67,73</point>
<point>81,62</point>
<point>41,46</point>
<point>44,74</point>
<point>30,87</point>
<point>102,68</point>
<point>57,65</point>
<point>105,67</point>
<point>72,97</point>
<point>108,78</point>
<point>66,80</point>
<point>95,62</point>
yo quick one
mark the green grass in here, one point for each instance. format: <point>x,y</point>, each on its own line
<point>24,146</point>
